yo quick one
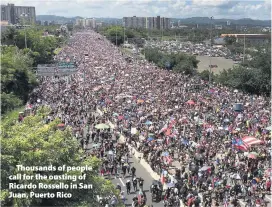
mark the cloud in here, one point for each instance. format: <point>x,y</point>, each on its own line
<point>259,9</point>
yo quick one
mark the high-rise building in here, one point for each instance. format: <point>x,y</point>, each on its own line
<point>147,22</point>
<point>228,23</point>
<point>158,21</point>
<point>179,23</point>
<point>18,14</point>
<point>91,23</point>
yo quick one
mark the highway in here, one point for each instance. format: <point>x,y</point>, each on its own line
<point>140,172</point>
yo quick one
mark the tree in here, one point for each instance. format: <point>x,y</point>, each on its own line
<point>8,36</point>
<point>254,77</point>
<point>35,143</point>
<point>230,40</point>
<point>9,102</point>
<point>181,62</point>
<point>17,76</point>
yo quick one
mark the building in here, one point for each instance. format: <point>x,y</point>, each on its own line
<point>4,25</point>
<point>18,14</point>
<point>251,38</point>
<point>228,23</point>
<point>219,27</point>
<point>179,23</point>
<point>90,23</point>
<point>147,22</point>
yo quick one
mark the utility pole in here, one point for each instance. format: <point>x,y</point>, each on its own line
<point>116,37</point>
<point>244,45</point>
<point>124,34</point>
<point>24,15</point>
<point>210,73</point>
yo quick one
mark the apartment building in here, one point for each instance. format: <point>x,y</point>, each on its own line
<point>147,22</point>
<point>18,14</point>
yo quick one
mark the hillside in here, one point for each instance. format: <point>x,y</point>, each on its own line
<point>192,20</point>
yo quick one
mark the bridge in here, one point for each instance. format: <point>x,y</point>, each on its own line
<point>59,69</point>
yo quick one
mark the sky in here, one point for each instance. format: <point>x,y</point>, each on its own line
<point>232,9</point>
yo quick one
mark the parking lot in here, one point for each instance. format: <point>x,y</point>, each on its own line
<point>221,62</point>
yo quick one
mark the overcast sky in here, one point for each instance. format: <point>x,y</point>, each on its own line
<point>258,9</point>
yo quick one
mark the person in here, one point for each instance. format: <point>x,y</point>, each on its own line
<point>122,196</point>
<point>113,201</point>
<point>118,187</point>
<point>133,171</point>
<point>128,168</point>
<point>124,169</point>
<point>128,186</point>
<point>141,183</point>
<point>135,182</point>
<point>268,185</point>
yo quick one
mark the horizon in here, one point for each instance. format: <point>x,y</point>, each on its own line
<point>158,15</point>
<point>177,9</point>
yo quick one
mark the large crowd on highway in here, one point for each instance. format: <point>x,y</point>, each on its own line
<point>210,144</point>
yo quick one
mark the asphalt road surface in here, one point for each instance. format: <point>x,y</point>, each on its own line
<point>140,172</point>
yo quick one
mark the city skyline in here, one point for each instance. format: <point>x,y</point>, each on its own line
<point>147,8</point>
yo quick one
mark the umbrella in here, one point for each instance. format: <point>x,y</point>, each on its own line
<point>61,125</point>
<point>254,153</point>
<point>115,114</point>
<point>148,122</point>
<point>198,156</point>
<point>204,168</point>
<point>165,153</point>
<point>191,102</point>
<point>236,176</point>
<point>170,185</point>
<point>102,126</point>
<point>120,117</point>
<point>150,139</point>
<point>252,156</point>
<point>96,145</point>
<point>226,120</point>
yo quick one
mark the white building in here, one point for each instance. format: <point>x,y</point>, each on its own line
<point>91,23</point>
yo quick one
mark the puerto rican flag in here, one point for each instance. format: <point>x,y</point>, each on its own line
<point>246,142</point>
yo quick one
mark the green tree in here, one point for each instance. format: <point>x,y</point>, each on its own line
<point>35,143</point>
<point>254,77</point>
<point>17,76</point>
<point>230,40</point>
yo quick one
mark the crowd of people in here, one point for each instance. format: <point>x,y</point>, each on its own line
<point>176,121</point>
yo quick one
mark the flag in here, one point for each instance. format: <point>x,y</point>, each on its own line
<point>226,204</point>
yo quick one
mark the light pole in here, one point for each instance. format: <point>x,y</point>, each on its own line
<point>210,73</point>
<point>124,31</point>
<point>24,15</point>
<point>244,45</point>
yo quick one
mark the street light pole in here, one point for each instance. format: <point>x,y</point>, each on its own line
<point>124,32</point>
<point>244,45</point>
<point>24,15</point>
<point>210,72</point>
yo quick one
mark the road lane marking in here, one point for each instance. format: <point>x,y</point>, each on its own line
<point>122,182</point>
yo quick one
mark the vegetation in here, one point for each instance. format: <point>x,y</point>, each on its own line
<point>17,62</point>
<point>17,77</point>
<point>35,143</point>
<point>181,62</point>
<point>254,76</point>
